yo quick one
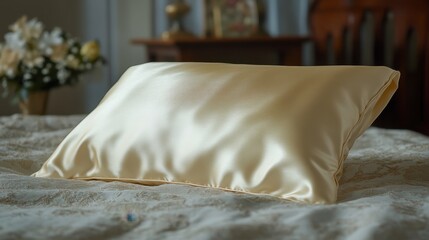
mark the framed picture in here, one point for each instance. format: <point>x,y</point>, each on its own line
<point>232,18</point>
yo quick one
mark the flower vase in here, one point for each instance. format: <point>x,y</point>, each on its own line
<point>35,104</point>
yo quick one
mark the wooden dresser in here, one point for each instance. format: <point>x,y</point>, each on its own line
<point>254,50</point>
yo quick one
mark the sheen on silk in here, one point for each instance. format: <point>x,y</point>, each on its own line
<point>282,131</point>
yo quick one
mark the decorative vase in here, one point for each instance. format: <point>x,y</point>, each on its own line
<point>35,104</point>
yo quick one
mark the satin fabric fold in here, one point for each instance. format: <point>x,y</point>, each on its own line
<point>277,130</point>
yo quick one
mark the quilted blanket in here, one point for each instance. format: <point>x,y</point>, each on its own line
<point>384,194</point>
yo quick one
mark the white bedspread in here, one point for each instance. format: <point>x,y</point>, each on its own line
<point>384,194</point>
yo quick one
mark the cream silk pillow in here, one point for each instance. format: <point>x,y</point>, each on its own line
<point>282,131</point>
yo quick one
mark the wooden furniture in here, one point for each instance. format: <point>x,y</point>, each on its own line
<point>393,33</point>
<point>255,50</point>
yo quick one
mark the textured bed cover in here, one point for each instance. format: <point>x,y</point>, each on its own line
<point>384,194</point>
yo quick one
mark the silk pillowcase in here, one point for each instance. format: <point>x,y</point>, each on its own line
<point>277,130</point>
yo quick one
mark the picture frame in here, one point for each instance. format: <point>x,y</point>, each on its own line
<point>231,18</point>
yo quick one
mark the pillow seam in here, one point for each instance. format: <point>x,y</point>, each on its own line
<point>343,157</point>
<point>157,182</point>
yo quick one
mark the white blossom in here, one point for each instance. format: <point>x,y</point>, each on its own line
<point>27,76</point>
<point>33,29</point>
<point>50,39</point>
<point>63,75</point>
<point>27,30</point>
<point>10,72</point>
<point>15,42</point>
<point>33,58</point>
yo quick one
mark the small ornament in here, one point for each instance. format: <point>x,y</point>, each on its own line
<point>131,217</point>
<point>175,12</point>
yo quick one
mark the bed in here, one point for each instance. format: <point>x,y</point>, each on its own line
<point>383,193</point>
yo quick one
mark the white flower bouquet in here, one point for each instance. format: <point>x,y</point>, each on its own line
<point>32,59</point>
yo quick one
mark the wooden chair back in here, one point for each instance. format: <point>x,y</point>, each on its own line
<point>393,33</point>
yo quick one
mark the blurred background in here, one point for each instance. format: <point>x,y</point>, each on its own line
<point>114,23</point>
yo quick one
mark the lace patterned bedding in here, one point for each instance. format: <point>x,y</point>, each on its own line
<point>384,194</point>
